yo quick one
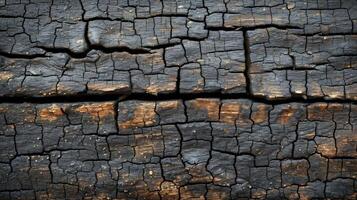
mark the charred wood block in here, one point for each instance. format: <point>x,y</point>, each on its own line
<point>178,99</point>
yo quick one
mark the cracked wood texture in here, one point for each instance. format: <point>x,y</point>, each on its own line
<point>178,99</point>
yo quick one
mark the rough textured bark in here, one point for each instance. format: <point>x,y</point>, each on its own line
<point>178,99</point>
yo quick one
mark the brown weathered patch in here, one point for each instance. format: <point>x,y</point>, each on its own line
<point>169,190</point>
<point>62,89</point>
<point>285,115</point>
<point>318,111</point>
<point>333,107</point>
<point>154,59</point>
<point>302,195</point>
<point>188,192</point>
<point>143,115</point>
<point>5,75</point>
<point>326,150</point>
<point>102,196</point>
<point>217,194</point>
<point>259,194</point>
<point>294,171</point>
<point>28,113</point>
<point>211,106</point>
<point>50,113</point>
<point>107,87</point>
<point>200,83</point>
<point>155,89</point>
<point>3,109</point>
<point>261,115</point>
<point>326,146</point>
<point>229,112</point>
<point>310,135</point>
<point>97,109</point>
<point>199,174</point>
<point>233,81</point>
<point>168,105</point>
<point>239,20</point>
<point>147,145</point>
<point>346,142</point>
<point>143,151</point>
<point>124,60</point>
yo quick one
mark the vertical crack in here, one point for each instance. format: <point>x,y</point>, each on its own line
<point>247,62</point>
